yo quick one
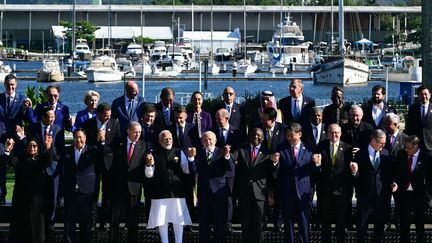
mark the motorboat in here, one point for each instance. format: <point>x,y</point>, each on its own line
<point>82,50</point>
<point>126,67</point>
<point>50,71</point>
<point>104,69</point>
<point>246,66</point>
<point>4,71</point>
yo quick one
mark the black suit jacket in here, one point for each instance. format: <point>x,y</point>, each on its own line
<point>420,177</point>
<point>357,137</point>
<point>58,143</point>
<point>287,116</point>
<point>235,117</point>
<point>367,111</point>
<point>234,138</point>
<point>112,140</point>
<point>79,176</point>
<point>309,139</point>
<point>128,177</point>
<point>415,126</point>
<point>160,118</point>
<point>278,137</point>
<point>252,175</point>
<point>398,144</point>
<point>334,179</point>
<point>190,137</point>
<point>330,114</point>
<point>371,184</point>
<point>150,135</point>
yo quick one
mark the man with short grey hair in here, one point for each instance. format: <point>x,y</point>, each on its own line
<point>395,138</point>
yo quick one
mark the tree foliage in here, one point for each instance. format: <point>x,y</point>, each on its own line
<point>83,30</point>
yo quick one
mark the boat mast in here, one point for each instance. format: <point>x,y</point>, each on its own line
<point>332,27</point>
<point>341,29</point>
<point>73,28</point>
<point>211,31</point>
<point>244,26</point>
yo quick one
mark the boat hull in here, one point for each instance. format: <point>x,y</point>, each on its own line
<point>101,76</point>
<point>342,72</point>
<point>50,77</point>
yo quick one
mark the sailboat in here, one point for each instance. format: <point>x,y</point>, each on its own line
<point>245,66</point>
<point>340,69</point>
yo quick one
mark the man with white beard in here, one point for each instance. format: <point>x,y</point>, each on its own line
<point>164,168</point>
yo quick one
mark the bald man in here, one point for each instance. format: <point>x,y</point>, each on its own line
<point>233,108</point>
<point>127,107</point>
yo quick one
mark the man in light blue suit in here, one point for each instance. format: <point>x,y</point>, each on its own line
<point>14,110</point>
<point>128,107</point>
<point>296,164</point>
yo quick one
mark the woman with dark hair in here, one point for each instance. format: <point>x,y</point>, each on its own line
<point>200,118</point>
<point>29,210</point>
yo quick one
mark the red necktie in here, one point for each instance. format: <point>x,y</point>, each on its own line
<point>410,161</point>
<point>253,155</point>
<point>131,149</point>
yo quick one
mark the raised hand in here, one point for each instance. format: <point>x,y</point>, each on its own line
<point>9,144</point>
<point>394,187</point>
<point>275,158</point>
<point>191,152</point>
<point>48,142</point>
<point>149,160</point>
<point>316,158</point>
<point>27,103</point>
<point>20,131</point>
<point>101,135</point>
<point>226,150</point>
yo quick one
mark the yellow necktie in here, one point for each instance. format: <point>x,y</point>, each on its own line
<point>269,139</point>
<point>334,154</point>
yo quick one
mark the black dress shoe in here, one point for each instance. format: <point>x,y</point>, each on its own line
<point>229,229</point>
<point>103,227</point>
<point>2,202</point>
<point>189,228</point>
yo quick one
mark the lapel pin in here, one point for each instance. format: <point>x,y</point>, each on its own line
<point>233,110</point>
<point>109,129</point>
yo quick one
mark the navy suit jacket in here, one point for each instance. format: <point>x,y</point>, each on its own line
<point>309,139</point>
<point>278,137</point>
<point>58,143</point>
<point>190,137</point>
<point>119,112</point>
<point>61,115</point>
<point>17,114</point>
<point>150,135</point>
<point>81,117</point>
<point>81,175</point>
<point>211,175</point>
<point>285,105</point>
<point>235,117</point>
<point>206,122</point>
<point>160,118</point>
<point>294,177</point>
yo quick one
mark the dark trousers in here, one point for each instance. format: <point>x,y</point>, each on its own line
<point>132,210</point>
<point>296,208</point>
<point>105,212</point>
<point>212,211</point>
<point>231,200</point>
<point>411,202</point>
<point>28,221</point>
<point>78,208</point>
<point>366,209</point>
<point>3,189</point>
<point>252,218</point>
<point>189,185</point>
<point>331,208</point>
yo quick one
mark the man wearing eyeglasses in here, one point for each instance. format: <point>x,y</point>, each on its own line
<point>231,106</point>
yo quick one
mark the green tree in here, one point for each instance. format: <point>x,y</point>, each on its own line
<point>83,30</point>
<point>144,40</point>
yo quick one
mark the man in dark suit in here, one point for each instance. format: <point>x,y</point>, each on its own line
<point>296,164</point>
<point>127,107</point>
<point>296,107</point>
<point>375,111</point>
<point>228,135</point>
<point>102,132</point>
<point>373,172</point>
<point>274,136</point>
<point>253,167</point>
<point>79,185</point>
<point>14,110</point>
<point>395,138</point>
<point>128,165</point>
<point>165,108</point>
<point>332,183</point>
<point>338,111</point>
<point>3,167</point>
<point>356,132</point>
<point>150,131</point>
<point>419,120</point>
<point>61,111</point>
<point>41,130</point>
<point>314,131</point>
<point>412,183</point>
<point>233,108</point>
<point>211,164</point>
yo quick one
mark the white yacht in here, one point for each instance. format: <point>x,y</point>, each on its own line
<point>50,71</point>
<point>287,44</point>
<point>341,69</point>
<point>134,50</point>
<point>246,66</point>
<point>104,69</point>
<point>82,50</point>
<point>126,67</point>
<point>4,71</point>
<point>158,52</point>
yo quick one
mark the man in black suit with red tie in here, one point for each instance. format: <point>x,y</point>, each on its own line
<point>296,107</point>
<point>332,183</point>
<point>253,168</point>
<point>127,181</point>
<point>103,132</point>
<point>413,183</point>
<point>373,172</point>
<point>228,135</point>
<point>419,120</point>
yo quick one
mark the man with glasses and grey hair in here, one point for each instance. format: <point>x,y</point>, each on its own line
<point>372,169</point>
